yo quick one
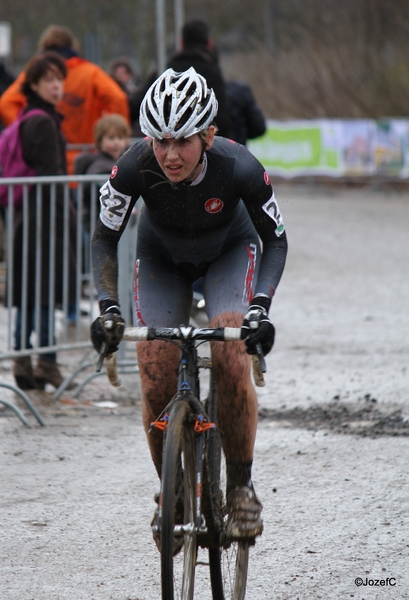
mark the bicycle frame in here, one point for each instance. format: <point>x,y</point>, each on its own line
<point>188,388</point>
<point>188,379</point>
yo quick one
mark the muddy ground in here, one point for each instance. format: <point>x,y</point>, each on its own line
<point>332,452</point>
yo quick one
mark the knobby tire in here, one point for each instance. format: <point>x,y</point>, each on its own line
<point>178,484</point>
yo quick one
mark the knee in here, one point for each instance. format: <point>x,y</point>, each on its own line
<point>227,319</point>
<point>158,363</point>
<point>157,360</point>
<point>229,355</point>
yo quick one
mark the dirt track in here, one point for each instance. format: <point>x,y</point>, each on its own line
<point>332,453</point>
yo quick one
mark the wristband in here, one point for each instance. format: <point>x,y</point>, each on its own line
<point>109,306</point>
<point>261,301</point>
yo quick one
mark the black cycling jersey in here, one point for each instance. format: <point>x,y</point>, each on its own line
<point>194,221</point>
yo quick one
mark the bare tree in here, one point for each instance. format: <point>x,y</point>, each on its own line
<point>303,58</point>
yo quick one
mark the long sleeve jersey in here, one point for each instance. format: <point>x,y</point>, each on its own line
<point>194,219</point>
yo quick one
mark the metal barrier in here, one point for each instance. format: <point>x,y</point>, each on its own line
<point>77,305</point>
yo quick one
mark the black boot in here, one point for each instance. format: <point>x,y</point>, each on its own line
<point>23,374</point>
<point>48,372</point>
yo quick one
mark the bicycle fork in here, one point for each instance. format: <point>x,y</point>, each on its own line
<point>200,426</point>
<point>187,389</point>
<point>200,522</point>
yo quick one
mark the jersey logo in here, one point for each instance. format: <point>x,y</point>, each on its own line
<point>266,178</point>
<point>213,205</point>
<point>273,211</point>
<point>114,171</point>
<point>114,206</point>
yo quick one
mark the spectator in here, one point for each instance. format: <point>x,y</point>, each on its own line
<point>111,134</point>
<point>43,148</point>
<point>247,120</point>
<point>198,51</point>
<point>6,78</point>
<point>125,76</point>
<point>89,92</point>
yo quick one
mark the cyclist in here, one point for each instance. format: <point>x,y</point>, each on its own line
<point>207,200</point>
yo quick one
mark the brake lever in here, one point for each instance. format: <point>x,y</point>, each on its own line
<point>261,358</point>
<point>102,354</point>
<point>259,367</point>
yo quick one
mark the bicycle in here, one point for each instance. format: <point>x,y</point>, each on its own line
<point>191,472</point>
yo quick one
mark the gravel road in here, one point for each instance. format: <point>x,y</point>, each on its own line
<point>332,451</point>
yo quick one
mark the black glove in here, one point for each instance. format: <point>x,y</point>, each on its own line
<point>108,329</point>
<point>257,327</point>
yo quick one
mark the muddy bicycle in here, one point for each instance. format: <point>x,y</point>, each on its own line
<point>191,513</point>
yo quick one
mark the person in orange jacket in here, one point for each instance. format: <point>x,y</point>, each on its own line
<point>89,92</point>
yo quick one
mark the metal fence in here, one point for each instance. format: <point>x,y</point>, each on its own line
<point>77,306</point>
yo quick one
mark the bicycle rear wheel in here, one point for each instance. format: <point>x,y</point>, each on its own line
<point>178,498</point>
<point>228,563</point>
<point>228,571</point>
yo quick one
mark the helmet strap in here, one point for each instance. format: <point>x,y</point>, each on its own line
<point>190,177</point>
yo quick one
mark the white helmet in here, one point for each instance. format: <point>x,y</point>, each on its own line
<point>177,105</point>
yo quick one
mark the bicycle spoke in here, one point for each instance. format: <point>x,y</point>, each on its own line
<point>234,564</point>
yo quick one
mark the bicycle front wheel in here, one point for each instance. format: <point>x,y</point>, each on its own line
<point>178,506</point>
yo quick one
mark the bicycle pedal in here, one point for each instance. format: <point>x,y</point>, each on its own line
<point>204,363</point>
<point>203,525</point>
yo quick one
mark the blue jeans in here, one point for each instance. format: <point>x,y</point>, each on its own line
<point>30,326</point>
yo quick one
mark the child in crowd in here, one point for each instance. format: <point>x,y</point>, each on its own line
<point>112,137</point>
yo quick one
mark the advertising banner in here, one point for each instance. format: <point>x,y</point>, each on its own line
<point>356,141</point>
<point>290,148</point>
<point>391,147</point>
<point>335,147</point>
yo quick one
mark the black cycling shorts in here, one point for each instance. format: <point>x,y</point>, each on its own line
<point>167,265</point>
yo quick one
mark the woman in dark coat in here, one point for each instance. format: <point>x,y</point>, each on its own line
<point>43,149</point>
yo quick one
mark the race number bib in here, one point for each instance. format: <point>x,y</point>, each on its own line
<point>114,206</point>
<point>273,211</point>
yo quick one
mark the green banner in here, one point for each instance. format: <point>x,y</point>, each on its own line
<point>336,147</point>
<point>297,147</point>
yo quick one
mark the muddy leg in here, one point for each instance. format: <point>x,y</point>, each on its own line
<point>158,362</point>
<point>237,402</point>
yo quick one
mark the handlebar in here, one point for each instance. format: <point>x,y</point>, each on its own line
<point>143,334</point>
<point>189,333</point>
